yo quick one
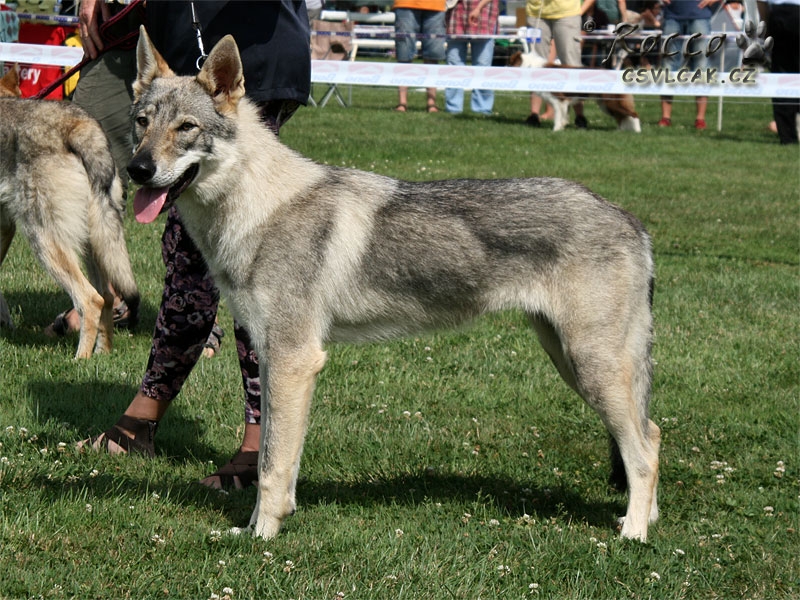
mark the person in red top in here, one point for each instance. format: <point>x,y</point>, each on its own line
<point>478,18</point>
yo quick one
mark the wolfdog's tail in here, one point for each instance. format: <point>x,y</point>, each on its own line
<point>108,253</point>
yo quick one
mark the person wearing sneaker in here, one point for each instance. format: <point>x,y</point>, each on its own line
<point>558,20</point>
<point>686,17</point>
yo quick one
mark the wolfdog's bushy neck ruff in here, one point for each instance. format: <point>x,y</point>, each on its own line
<point>307,253</point>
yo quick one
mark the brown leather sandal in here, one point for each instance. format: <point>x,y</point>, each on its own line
<point>141,442</point>
<point>238,473</point>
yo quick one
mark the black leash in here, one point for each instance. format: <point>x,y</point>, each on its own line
<point>120,31</point>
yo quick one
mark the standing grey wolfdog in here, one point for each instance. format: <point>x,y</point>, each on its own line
<point>59,185</point>
<point>306,253</point>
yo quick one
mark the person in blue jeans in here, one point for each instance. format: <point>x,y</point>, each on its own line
<point>686,17</point>
<point>478,18</point>
<point>412,18</point>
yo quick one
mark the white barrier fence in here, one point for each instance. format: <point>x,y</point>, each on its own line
<point>734,83</point>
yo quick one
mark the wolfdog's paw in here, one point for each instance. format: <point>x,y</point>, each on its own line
<point>753,43</point>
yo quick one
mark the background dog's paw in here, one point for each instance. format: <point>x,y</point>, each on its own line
<point>756,48</point>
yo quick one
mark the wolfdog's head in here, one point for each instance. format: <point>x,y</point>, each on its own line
<point>180,124</point>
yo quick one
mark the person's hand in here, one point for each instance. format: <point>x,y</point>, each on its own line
<point>475,17</point>
<point>90,15</point>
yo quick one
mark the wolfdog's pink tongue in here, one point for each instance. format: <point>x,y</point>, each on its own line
<point>148,202</point>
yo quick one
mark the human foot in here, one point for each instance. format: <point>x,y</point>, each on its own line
<point>238,473</point>
<point>128,435</point>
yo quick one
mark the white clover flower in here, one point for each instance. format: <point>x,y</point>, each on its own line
<point>655,576</point>
<point>94,473</point>
<point>398,533</point>
<point>89,508</point>
<point>288,566</point>
<point>62,447</point>
<point>679,552</point>
<point>215,535</point>
<point>494,523</point>
<point>503,570</point>
<point>228,591</point>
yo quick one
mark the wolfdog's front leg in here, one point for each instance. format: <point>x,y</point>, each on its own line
<point>287,384</point>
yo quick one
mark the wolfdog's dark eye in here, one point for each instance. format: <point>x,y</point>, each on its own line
<point>141,121</point>
<point>187,126</point>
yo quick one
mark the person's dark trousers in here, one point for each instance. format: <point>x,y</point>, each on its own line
<point>783,25</point>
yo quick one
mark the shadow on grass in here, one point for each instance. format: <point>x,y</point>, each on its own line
<point>505,494</point>
<point>33,312</point>
<point>90,407</point>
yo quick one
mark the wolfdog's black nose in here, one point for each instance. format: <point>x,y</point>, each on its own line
<point>141,168</point>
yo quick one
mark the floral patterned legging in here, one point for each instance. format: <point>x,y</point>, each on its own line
<point>189,307</point>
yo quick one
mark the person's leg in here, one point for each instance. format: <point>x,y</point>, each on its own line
<point>699,61</point>
<point>567,34</point>
<point>673,63</point>
<point>104,91</point>
<point>482,101</point>
<point>432,24</point>
<point>185,318</point>
<point>456,57</point>
<point>782,25</point>
<point>242,470</point>
<point>406,27</point>
<point>542,49</point>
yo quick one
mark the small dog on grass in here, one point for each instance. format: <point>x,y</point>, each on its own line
<point>618,106</point>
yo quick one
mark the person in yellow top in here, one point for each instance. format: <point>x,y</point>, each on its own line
<point>413,17</point>
<point>559,21</point>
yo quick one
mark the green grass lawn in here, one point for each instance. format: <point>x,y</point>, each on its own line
<point>455,465</point>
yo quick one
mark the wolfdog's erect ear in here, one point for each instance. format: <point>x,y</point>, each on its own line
<point>9,83</point>
<point>222,76</point>
<point>149,64</point>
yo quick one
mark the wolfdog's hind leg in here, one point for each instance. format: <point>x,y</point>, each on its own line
<point>64,266</point>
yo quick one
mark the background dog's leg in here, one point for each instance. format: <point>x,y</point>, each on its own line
<point>561,113</point>
<point>64,266</point>
<point>7,230</point>
<point>105,329</point>
<point>287,384</point>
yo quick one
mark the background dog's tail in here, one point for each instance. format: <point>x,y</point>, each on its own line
<point>108,258</point>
